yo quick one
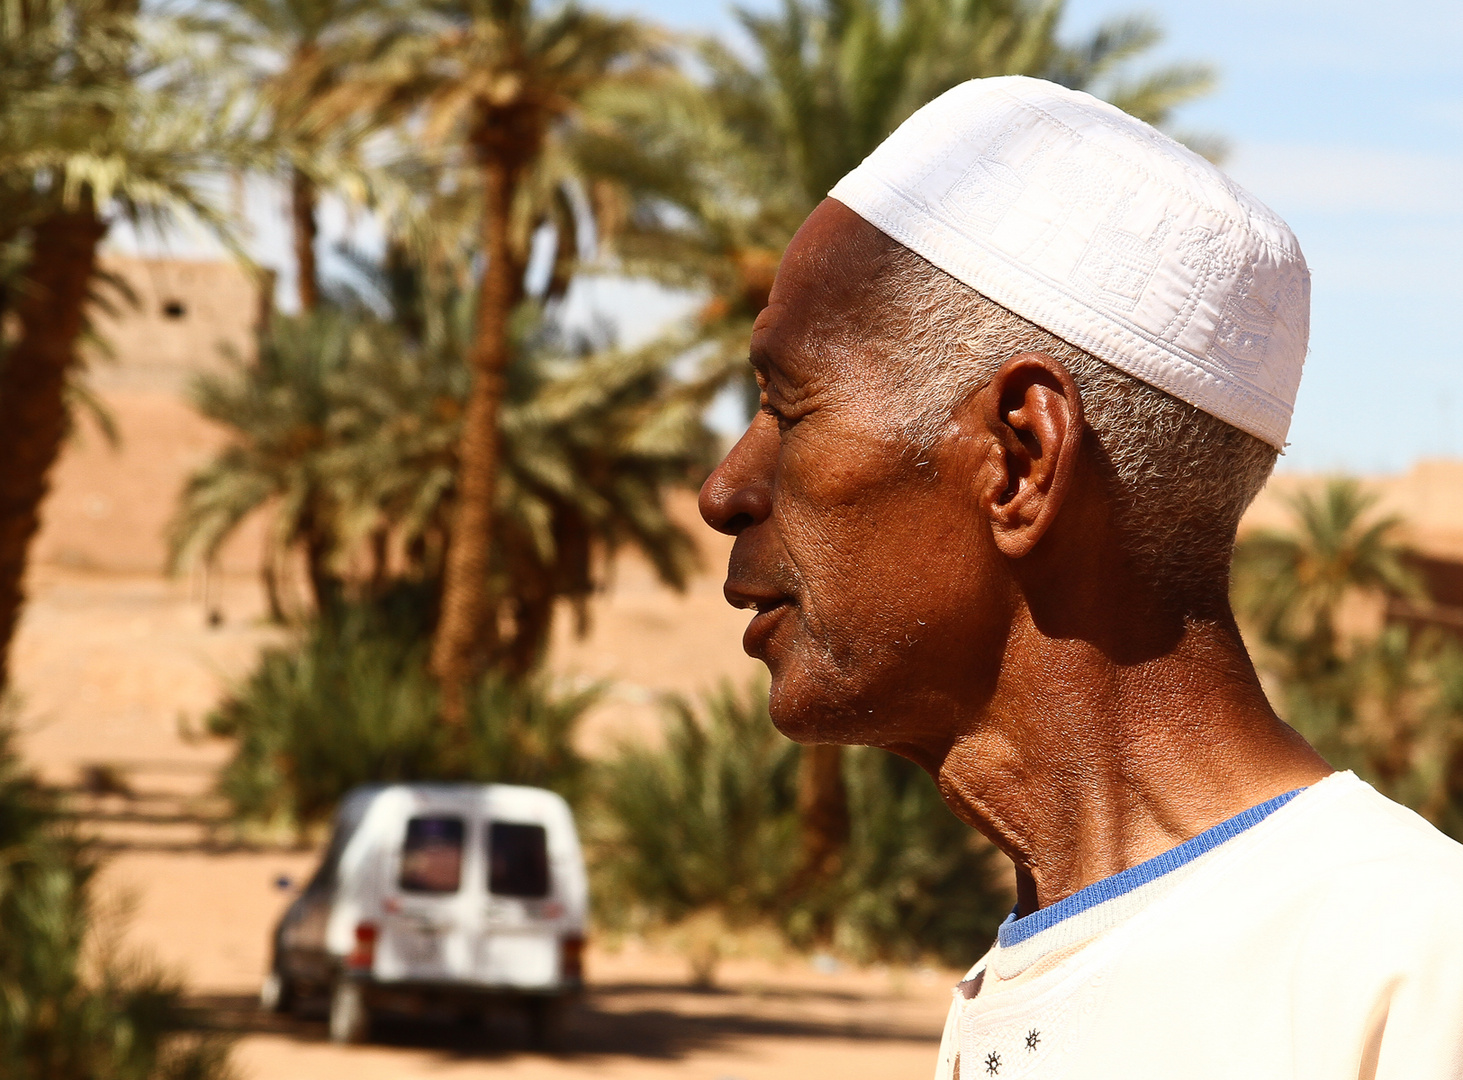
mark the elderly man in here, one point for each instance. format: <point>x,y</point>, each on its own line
<point>1021,375</point>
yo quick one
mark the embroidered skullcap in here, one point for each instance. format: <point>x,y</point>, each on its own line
<point>1109,234</point>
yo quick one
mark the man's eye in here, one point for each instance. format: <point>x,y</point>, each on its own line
<point>783,420</point>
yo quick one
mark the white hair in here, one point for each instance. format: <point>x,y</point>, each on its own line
<point>1181,477</point>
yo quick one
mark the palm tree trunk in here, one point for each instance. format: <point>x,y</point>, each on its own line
<point>533,619</point>
<point>464,630</point>
<point>302,215</point>
<point>324,586</point>
<point>269,578</point>
<point>823,813</point>
<point>380,560</point>
<point>50,313</point>
<point>319,543</point>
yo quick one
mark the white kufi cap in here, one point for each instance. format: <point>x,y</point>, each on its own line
<point>1107,233</point>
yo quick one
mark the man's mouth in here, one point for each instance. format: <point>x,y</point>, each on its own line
<point>769,607</point>
<point>761,601</point>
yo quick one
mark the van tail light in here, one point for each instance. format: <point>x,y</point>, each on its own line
<point>571,959</point>
<point>363,956</point>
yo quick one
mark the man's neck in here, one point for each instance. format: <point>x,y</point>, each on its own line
<point>1081,767</point>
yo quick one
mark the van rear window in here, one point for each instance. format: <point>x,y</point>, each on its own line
<point>431,856</point>
<point>518,860</point>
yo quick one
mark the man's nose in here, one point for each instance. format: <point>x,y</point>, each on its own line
<point>738,494</point>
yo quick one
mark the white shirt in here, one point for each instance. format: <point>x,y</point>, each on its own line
<point>1315,937</point>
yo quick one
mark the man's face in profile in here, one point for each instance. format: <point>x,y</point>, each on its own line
<point>858,549</point>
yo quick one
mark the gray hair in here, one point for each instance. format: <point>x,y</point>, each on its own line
<point>1181,477</point>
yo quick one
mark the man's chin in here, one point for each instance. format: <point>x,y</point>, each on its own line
<point>799,731</point>
<point>801,709</point>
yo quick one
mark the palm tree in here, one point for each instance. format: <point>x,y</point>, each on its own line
<point>588,445</point>
<point>97,118</point>
<point>281,406</point>
<point>1292,587</point>
<point>747,156</point>
<point>1386,703</point>
<point>350,428</point>
<point>297,52</point>
<point>502,81</point>
<point>1293,583</point>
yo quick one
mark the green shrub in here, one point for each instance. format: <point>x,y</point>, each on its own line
<point>352,703</point>
<point>707,824</point>
<point>124,1022</point>
<point>917,882</point>
<point>704,823</point>
<point>523,732</point>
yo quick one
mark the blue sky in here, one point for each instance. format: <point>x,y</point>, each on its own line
<point>1347,118</point>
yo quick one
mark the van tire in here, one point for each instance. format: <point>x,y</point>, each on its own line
<point>545,1016</point>
<point>350,1016</point>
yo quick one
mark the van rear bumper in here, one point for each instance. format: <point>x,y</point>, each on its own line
<point>412,997</point>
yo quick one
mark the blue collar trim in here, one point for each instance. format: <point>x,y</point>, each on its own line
<point>1014,931</point>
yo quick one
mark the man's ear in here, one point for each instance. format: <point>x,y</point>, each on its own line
<point>1033,412</point>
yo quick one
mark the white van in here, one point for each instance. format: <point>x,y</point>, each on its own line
<point>433,896</point>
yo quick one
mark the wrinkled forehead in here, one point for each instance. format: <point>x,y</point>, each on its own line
<point>826,303</point>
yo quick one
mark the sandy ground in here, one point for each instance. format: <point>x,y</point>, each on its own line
<point>108,668</point>
<point>764,1023</point>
